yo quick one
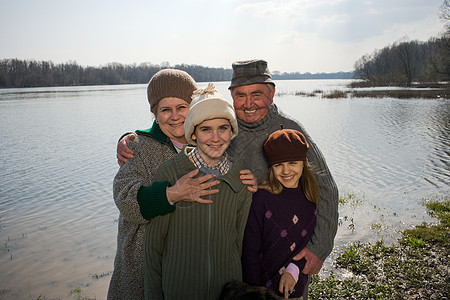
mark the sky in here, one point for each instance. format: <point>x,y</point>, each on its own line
<point>291,35</point>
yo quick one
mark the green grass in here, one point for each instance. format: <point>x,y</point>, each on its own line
<point>98,276</point>
<point>350,199</point>
<point>415,268</point>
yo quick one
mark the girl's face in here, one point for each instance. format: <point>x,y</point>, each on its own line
<point>212,137</point>
<point>288,173</point>
<point>170,114</point>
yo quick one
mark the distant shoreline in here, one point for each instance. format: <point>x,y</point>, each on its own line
<point>15,73</point>
<point>403,94</point>
<point>417,91</point>
<point>425,90</point>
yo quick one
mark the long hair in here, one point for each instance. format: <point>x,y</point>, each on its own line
<point>308,183</point>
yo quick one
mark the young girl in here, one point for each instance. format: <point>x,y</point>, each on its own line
<point>282,217</point>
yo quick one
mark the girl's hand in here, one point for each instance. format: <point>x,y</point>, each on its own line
<point>249,179</point>
<point>287,284</point>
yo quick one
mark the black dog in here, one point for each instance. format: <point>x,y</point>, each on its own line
<point>236,290</point>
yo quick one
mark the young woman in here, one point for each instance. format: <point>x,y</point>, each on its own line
<point>282,217</point>
<point>192,252</point>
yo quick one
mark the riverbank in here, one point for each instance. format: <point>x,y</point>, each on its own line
<point>415,268</point>
<point>363,90</point>
<point>424,90</point>
<point>402,94</point>
<point>406,93</point>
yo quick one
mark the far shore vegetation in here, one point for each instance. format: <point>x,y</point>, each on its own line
<point>407,62</point>
<point>416,91</point>
<point>16,73</point>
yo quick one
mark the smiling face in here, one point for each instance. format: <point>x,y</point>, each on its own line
<point>170,114</point>
<point>288,173</point>
<point>212,137</point>
<point>252,102</point>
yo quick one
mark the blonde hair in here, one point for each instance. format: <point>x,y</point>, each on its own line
<point>308,183</point>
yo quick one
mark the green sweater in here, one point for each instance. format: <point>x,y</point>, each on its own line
<point>192,252</point>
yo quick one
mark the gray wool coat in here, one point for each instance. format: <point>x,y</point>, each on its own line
<point>151,149</point>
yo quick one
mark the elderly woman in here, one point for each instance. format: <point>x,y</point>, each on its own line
<point>137,197</point>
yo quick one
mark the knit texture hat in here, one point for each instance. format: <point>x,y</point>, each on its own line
<point>170,83</point>
<point>208,104</point>
<point>250,72</point>
<point>285,145</point>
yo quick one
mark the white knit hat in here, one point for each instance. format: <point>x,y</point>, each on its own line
<point>208,104</point>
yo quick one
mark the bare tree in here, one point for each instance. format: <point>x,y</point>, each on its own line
<point>363,67</point>
<point>444,15</point>
<point>440,57</point>
<point>405,55</point>
<point>444,10</point>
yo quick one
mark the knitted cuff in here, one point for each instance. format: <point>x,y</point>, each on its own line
<point>153,200</point>
<point>293,270</point>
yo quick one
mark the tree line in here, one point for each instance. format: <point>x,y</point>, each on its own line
<point>405,62</point>
<point>30,73</point>
<point>15,73</point>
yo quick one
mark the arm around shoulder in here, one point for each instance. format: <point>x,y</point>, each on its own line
<point>136,196</point>
<point>322,241</point>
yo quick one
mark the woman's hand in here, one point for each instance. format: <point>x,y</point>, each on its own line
<point>124,153</point>
<point>249,179</point>
<point>191,189</point>
<point>287,284</point>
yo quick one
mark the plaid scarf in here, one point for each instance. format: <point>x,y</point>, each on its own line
<point>223,166</point>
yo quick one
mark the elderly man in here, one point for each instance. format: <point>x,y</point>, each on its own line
<point>252,90</point>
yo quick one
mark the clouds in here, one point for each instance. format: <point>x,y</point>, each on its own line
<point>334,34</point>
<point>292,35</point>
<point>342,20</point>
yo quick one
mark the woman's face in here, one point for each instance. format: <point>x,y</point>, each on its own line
<point>212,137</point>
<point>170,115</point>
<point>288,173</point>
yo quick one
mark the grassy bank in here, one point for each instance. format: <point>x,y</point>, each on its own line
<point>415,268</point>
<point>403,94</point>
<point>400,94</point>
<point>419,92</point>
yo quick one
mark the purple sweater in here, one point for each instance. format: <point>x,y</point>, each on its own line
<point>278,227</point>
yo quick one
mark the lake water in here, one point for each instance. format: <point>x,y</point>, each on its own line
<point>58,221</point>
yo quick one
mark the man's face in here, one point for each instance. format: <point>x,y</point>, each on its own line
<point>252,102</point>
